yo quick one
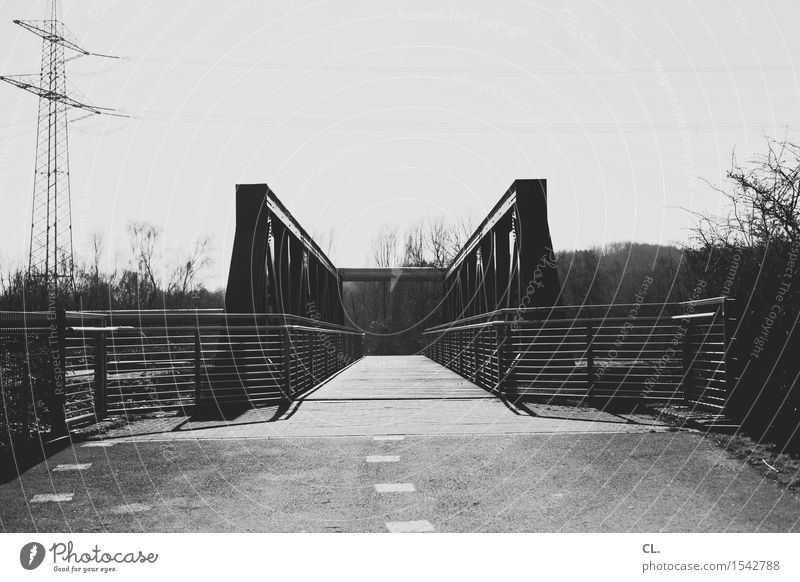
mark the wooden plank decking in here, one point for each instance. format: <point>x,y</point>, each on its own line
<point>393,395</point>
<point>397,378</point>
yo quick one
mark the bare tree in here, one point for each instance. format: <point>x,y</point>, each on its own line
<point>96,243</point>
<point>437,241</point>
<point>185,277</point>
<point>434,242</point>
<point>414,254</point>
<point>9,274</point>
<point>384,247</point>
<point>764,201</point>
<point>144,238</point>
<point>326,241</point>
<point>460,230</point>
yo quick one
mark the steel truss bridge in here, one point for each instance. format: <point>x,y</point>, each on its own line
<point>283,332</point>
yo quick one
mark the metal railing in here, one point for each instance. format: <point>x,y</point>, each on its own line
<point>676,352</point>
<point>71,367</point>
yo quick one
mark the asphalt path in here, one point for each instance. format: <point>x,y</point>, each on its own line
<point>426,452</point>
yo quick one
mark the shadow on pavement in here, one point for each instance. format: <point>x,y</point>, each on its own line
<point>521,407</point>
<point>23,456</point>
<point>210,417</point>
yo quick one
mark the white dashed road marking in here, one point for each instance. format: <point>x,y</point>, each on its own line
<point>421,526</point>
<point>394,487</point>
<point>382,458</point>
<point>76,467</point>
<point>46,497</point>
<point>390,437</point>
<point>131,508</point>
<point>99,444</point>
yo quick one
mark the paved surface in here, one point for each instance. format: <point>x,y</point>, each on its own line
<point>393,395</point>
<point>376,456</point>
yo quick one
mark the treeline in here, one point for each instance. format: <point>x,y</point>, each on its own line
<point>152,278</point>
<point>623,272</point>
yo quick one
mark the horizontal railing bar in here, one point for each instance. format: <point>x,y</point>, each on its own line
<point>695,315</point>
<point>532,325</point>
<point>191,328</point>
<point>73,419</point>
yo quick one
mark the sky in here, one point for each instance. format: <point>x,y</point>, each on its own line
<point>361,114</point>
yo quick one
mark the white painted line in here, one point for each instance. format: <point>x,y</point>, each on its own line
<point>131,508</point>
<point>395,487</point>
<point>75,467</point>
<point>390,437</point>
<point>383,458</point>
<point>99,444</point>
<point>46,497</point>
<point>421,526</point>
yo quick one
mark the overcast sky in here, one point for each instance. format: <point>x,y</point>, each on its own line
<point>364,113</point>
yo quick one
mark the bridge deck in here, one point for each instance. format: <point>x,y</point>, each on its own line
<point>397,378</point>
<point>393,395</point>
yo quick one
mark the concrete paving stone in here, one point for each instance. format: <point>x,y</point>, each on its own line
<point>420,526</point>
<point>395,487</point>
<point>52,497</point>
<point>73,467</point>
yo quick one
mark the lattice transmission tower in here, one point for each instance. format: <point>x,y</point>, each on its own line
<point>50,258</point>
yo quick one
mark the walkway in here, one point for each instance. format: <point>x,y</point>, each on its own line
<point>379,395</point>
<point>398,444</point>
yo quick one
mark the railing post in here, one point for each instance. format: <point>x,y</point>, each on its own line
<point>730,321</point>
<point>448,359</point>
<point>287,362</point>
<point>351,342</point>
<point>476,341</point>
<point>59,355</point>
<point>100,377</point>
<point>687,357</point>
<point>312,364</point>
<point>457,348</point>
<point>462,351</point>
<point>27,396</point>
<point>590,358</point>
<point>459,353</point>
<point>454,343</point>
<point>198,368</point>
<point>504,360</point>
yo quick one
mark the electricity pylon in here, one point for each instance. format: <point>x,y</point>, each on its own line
<point>50,257</point>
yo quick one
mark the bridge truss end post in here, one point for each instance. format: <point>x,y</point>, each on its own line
<point>100,376</point>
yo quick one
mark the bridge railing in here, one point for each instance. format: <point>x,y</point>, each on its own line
<point>63,368</point>
<point>677,352</point>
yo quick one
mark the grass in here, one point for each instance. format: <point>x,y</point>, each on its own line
<point>771,462</point>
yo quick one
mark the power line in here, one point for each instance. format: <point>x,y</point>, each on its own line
<point>497,127</point>
<point>399,69</point>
